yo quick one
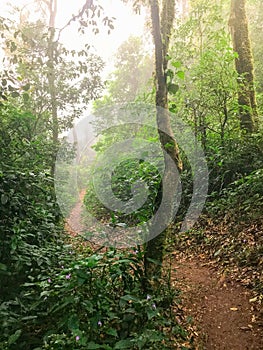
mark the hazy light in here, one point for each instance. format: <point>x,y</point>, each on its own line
<point>126,24</point>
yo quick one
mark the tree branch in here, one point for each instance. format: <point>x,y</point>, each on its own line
<point>88,5</point>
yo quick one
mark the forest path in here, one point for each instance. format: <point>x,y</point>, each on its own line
<point>73,222</point>
<point>223,316</point>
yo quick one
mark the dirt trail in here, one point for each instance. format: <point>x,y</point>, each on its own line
<point>73,222</point>
<point>224,317</point>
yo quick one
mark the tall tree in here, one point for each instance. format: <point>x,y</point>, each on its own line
<point>208,92</point>
<point>130,80</point>
<point>162,22</point>
<point>51,80</point>
<point>244,65</point>
<point>133,70</point>
<point>255,19</point>
<point>57,85</point>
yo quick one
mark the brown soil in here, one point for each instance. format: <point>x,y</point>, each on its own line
<point>223,316</point>
<point>73,222</point>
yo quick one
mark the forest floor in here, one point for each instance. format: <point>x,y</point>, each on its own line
<point>222,311</point>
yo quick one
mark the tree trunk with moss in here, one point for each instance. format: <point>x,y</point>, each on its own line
<point>51,81</point>
<point>244,65</point>
<point>161,30</point>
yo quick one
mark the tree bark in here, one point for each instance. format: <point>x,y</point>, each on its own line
<point>161,30</point>
<point>52,81</point>
<point>244,65</point>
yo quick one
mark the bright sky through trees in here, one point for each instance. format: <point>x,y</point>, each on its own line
<point>126,24</point>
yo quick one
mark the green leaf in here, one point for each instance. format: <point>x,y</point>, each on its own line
<point>123,344</point>
<point>13,338</point>
<point>3,267</point>
<point>173,88</point>
<point>151,314</point>
<point>15,94</point>
<point>4,198</point>
<point>28,284</point>
<point>92,261</point>
<point>92,345</point>
<point>73,323</point>
<point>180,74</point>
<point>129,297</point>
<point>170,73</point>
<point>176,64</point>
<point>25,97</point>
<point>13,47</point>
<point>112,332</point>
<point>68,300</point>
<point>28,318</point>
<point>26,87</point>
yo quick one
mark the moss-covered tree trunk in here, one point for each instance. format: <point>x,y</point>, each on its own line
<point>244,65</point>
<point>52,81</point>
<point>161,29</point>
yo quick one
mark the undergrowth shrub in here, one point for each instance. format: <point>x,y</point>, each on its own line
<point>93,301</point>
<point>242,200</point>
<point>236,158</point>
<point>29,215</point>
<point>29,219</point>
<point>125,176</point>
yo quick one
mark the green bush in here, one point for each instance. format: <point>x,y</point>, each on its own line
<point>242,200</point>
<point>28,221</point>
<point>29,216</point>
<point>123,178</point>
<point>91,301</point>
<point>237,158</point>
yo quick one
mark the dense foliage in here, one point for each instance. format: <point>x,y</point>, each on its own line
<point>60,292</point>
